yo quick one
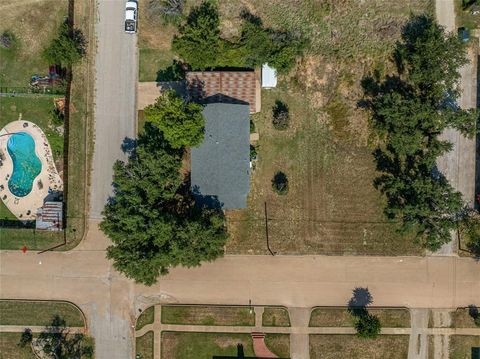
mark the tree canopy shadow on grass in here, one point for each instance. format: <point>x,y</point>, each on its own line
<point>174,72</point>
<point>58,342</point>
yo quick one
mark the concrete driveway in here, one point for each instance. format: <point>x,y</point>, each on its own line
<point>116,79</point>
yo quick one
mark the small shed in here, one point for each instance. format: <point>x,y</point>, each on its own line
<point>269,77</point>
<point>50,217</point>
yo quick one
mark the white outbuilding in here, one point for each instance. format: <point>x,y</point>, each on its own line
<point>269,76</point>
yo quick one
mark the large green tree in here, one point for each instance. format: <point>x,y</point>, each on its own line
<point>152,219</point>
<point>67,48</point>
<point>198,42</point>
<point>181,122</point>
<point>409,111</point>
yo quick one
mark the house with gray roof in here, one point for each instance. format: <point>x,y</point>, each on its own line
<point>220,165</point>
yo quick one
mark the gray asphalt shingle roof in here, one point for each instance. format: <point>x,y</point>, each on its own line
<point>221,164</point>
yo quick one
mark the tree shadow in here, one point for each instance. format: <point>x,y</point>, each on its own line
<point>473,311</point>
<point>361,298</point>
<point>174,72</point>
<point>128,145</point>
<point>206,200</point>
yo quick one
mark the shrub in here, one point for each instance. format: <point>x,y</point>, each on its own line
<point>26,338</point>
<point>280,183</point>
<point>280,115</point>
<point>368,325</point>
<point>57,117</point>
<point>169,10</point>
<point>8,40</point>
<point>253,153</point>
<point>470,228</point>
<point>67,48</point>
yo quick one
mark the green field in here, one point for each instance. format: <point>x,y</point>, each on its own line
<point>38,313</point>
<point>207,315</point>
<point>204,345</point>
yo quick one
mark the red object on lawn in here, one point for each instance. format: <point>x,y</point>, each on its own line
<point>24,249</point>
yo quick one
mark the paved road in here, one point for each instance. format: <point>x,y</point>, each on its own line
<point>111,302</point>
<point>116,78</point>
<point>459,164</point>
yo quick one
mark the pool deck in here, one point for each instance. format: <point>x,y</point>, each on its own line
<point>25,208</point>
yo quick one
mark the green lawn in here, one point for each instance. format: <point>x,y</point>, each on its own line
<point>147,317</point>
<point>144,345</point>
<point>461,346</point>
<point>208,315</point>
<point>151,61</point>
<point>34,24</point>
<point>275,317</point>
<point>204,345</point>
<point>353,347</point>
<point>340,317</point>
<point>38,313</point>
<point>16,238</point>
<point>9,348</point>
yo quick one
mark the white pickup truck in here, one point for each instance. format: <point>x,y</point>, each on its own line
<point>131,9</point>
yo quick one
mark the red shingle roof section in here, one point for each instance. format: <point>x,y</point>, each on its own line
<point>225,86</point>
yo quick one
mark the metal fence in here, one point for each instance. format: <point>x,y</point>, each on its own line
<point>47,90</point>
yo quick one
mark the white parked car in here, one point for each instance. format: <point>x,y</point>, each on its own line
<point>131,10</point>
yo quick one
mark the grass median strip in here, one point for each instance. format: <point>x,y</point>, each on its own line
<point>147,317</point>
<point>208,315</point>
<point>275,317</point>
<point>351,346</point>
<point>205,345</point>
<point>144,345</point>
<point>38,313</point>
<point>340,317</point>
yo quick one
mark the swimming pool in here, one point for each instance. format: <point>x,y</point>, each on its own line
<point>26,164</point>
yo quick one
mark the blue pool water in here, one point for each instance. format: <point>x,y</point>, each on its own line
<point>26,165</point>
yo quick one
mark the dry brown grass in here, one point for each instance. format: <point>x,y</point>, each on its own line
<point>34,23</point>
<point>207,315</point>
<point>462,319</point>
<point>332,206</point>
<point>340,317</point>
<point>275,317</point>
<point>353,347</point>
